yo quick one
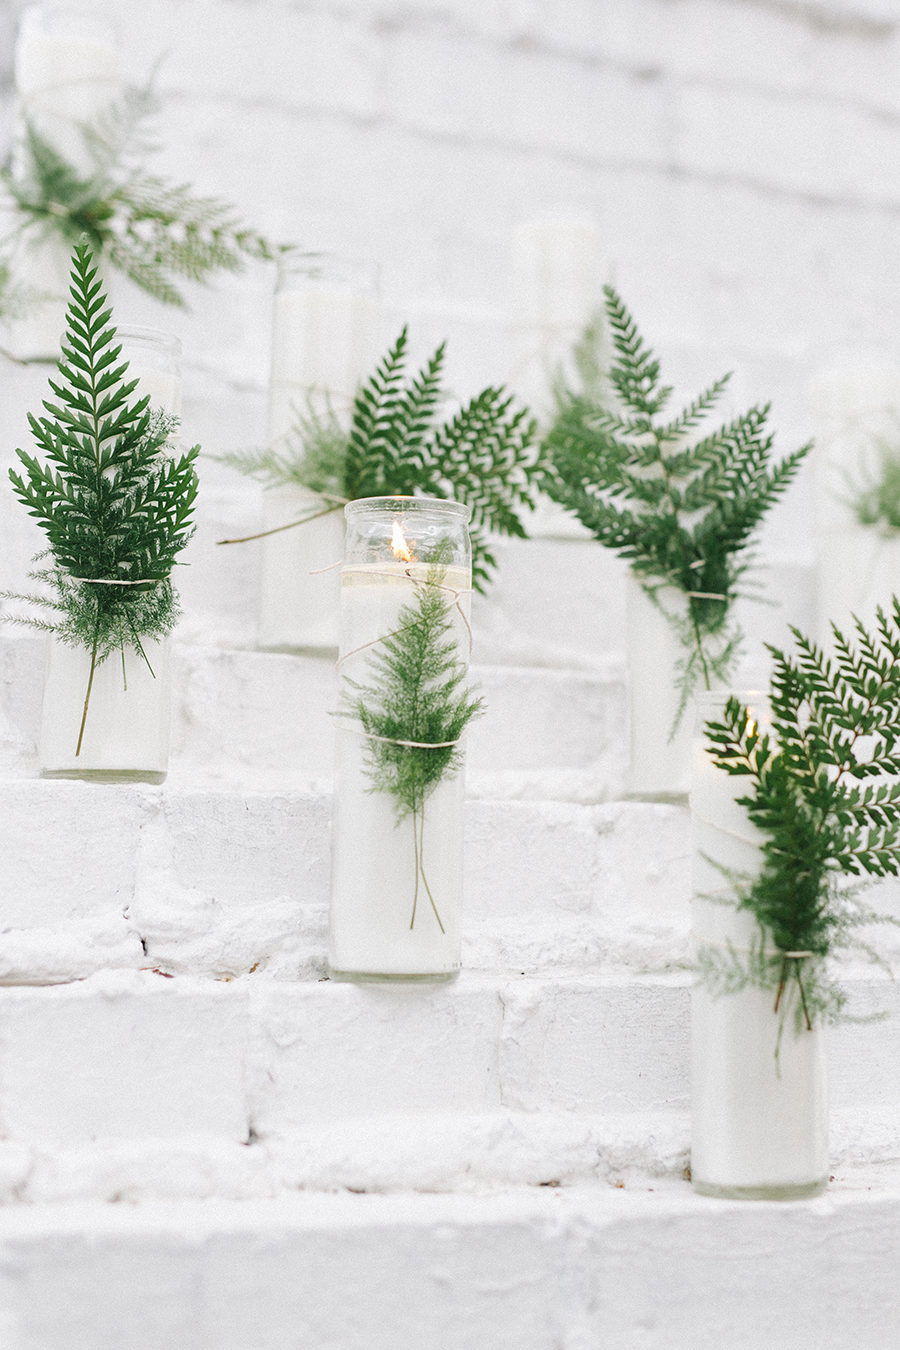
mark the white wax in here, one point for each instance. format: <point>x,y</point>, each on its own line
<point>64,79</point>
<point>374,871</point>
<point>324,340</point>
<point>659,765</point>
<point>41,264</point>
<point>557,287</point>
<point>299,603</point>
<point>163,388</point>
<point>855,408</point>
<point>759,1122</point>
<point>858,571</point>
<point>126,732</point>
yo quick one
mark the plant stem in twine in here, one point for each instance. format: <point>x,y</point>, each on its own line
<point>113,499</point>
<point>823,788</point>
<point>414,709</point>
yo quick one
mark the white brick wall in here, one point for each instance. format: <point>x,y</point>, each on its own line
<point>741,160</point>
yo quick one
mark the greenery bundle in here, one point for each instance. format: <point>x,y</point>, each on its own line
<point>683,513</point>
<point>485,455</point>
<point>823,789</point>
<point>414,710</point>
<point>149,228</point>
<point>876,497</point>
<point>114,502</point>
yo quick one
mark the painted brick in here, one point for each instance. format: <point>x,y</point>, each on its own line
<point>120,1056</point>
<point>413,1050</point>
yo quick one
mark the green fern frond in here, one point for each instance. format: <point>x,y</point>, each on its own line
<point>484,455</point>
<point>682,513</point>
<point>823,789</point>
<point>152,230</point>
<point>113,501</point>
<point>414,709</point>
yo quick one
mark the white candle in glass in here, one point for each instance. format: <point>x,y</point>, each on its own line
<point>121,730</point>
<point>759,1088</point>
<point>855,406</point>
<point>324,341</point>
<point>396,882</point>
<point>557,287</point>
<point>660,740</point>
<point>66,74</point>
<point>154,360</point>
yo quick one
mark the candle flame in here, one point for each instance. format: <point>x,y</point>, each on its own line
<point>399,545</point>
<point>751,727</point>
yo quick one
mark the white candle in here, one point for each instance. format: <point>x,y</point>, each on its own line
<point>557,287</point>
<point>659,765</point>
<point>299,600</point>
<point>126,728</point>
<point>324,342</point>
<point>855,406</point>
<point>154,361</point>
<point>66,74</point>
<point>759,1097</point>
<point>396,880</point>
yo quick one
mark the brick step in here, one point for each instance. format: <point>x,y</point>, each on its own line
<point>217,881</point>
<point>522,1270</point>
<point>127,1060</point>
<point>262,719</point>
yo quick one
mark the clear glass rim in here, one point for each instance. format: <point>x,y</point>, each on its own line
<point>40,18</point>
<point>711,698</point>
<point>155,336</point>
<point>408,506</point>
<point>315,263</point>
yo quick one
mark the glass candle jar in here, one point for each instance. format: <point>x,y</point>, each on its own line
<point>397,857</point>
<point>324,342</point>
<point>759,1089</point>
<point>66,74</point>
<point>154,360</point>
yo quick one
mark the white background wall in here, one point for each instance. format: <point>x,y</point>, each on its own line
<point>741,157</point>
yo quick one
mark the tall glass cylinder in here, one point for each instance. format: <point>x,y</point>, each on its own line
<point>759,1075</point>
<point>66,75</point>
<point>154,360</point>
<point>324,341</point>
<point>110,721</point>
<point>397,857</point>
<point>659,727</point>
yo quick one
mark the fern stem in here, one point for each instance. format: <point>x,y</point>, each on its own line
<point>90,684</point>
<point>699,641</point>
<point>416,856</point>
<point>422,869</point>
<point>803,997</point>
<point>292,524</point>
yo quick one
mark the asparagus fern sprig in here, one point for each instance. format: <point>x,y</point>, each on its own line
<point>484,454</point>
<point>149,228</point>
<point>414,708</point>
<point>682,509</point>
<point>113,500</point>
<point>823,788</point>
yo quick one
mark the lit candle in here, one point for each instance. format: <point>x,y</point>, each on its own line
<point>759,1099</point>
<point>324,341</point>
<point>396,876</point>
